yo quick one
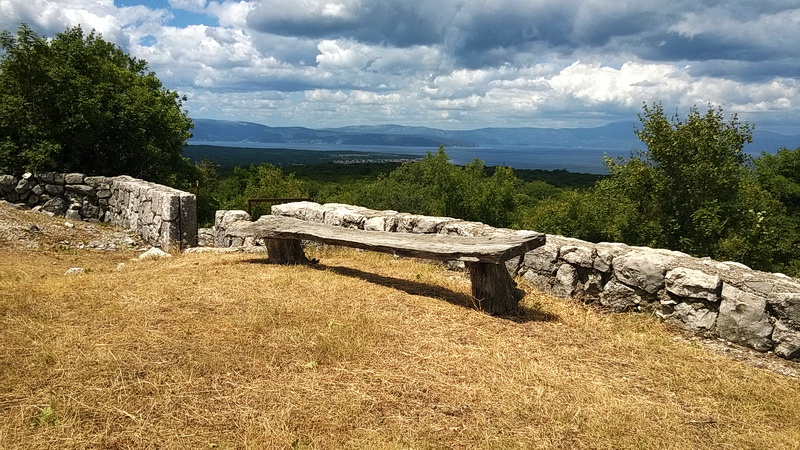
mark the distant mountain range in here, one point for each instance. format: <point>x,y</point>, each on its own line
<point>618,135</point>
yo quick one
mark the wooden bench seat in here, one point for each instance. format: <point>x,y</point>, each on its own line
<point>484,257</point>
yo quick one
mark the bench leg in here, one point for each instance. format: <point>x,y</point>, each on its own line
<point>285,251</point>
<point>494,288</point>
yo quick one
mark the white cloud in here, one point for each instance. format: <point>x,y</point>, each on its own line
<point>50,17</point>
<point>231,13</point>
<point>339,55</point>
<point>189,5</point>
<point>452,63</point>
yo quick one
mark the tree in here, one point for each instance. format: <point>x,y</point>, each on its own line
<point>779,174</point>
<point>261,181</point>
<point>76,103</point>
<point>687,185</point>
<point>436,187</point>
<point>692,190</point>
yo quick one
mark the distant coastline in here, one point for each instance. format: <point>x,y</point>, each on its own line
<point>580,160</point>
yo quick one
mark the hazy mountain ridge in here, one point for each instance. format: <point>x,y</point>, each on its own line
<point>209,130</point>
<point>617,135</point>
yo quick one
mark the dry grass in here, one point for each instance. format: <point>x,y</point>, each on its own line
<point>363,351</point>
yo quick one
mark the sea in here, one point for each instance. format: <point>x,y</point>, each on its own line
<point>572,159</point>
<point>582,159</point>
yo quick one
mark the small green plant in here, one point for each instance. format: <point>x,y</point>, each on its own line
<point>302,442</point>
<point>46,416</point>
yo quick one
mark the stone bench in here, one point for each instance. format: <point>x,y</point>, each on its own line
<point>484,257</point>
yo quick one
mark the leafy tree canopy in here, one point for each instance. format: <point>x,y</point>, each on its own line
<point>780,175</point>
<point>694,190</point>
<point>689,181</point>
<point>76,103</point>
<point>436,187</point>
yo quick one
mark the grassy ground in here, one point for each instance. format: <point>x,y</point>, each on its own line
<point>361,351</point>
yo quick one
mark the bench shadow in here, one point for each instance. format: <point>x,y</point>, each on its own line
<point>525,314</point>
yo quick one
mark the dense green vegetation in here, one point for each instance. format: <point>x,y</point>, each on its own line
<point>431,186</point>
<point>693,189</point>
<point>76,103</point>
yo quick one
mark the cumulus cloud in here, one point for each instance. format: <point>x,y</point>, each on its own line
<point>399,24</point>
<point>451,63</point>
<point>189,5</point>
<point>50,17</point>
<point>486,31</point>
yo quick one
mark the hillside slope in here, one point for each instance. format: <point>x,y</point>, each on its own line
<point>361,351</point>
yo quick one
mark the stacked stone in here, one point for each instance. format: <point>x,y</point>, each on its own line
<point>73,195</point>
<point>367,219</point>
<point>720,299</point>
<point>161,215</point>
<point>717,299</point>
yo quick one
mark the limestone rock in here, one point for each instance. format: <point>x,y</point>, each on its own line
<point>96,182</point>
<point>56,205</point>
<point>73,178</point>
<point>641,269</point>
<point>23,185</point>
<point>426,224</point>
<point>75,271</point>
<point>743,319</point>
<point>786,306</point>
<point>154,253</point>
<point>8,183</point>
<point>692,283</point>
<point>593,287</point>
<point>344,217</point>
<point>406,222</point>
<point>566,280</point>
<point>33,199</point>
<point>297,210</point>
<point>761,287</point>
<point>543,282</point>
<point>577,255</point>
<point>205,237</point>
<point>80,189</point>
<point>47,177</point>
<point>619,297</point>
<point>463,228</point>
<point>787,341</point>
<point>694,318</point>
<point>375,224</point>
<point>91,211</point>
<point>223,219</point>
<point>542,259</point>
<point>605,254</point>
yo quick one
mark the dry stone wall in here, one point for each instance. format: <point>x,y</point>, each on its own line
<point>162,216</point>
<point>718,299</point>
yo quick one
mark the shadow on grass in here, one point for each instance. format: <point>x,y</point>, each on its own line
<point>525,314</point>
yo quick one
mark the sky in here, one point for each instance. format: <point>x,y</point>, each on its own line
<point>452,64</point>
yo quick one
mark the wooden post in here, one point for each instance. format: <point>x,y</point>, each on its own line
<point>494,288</point>
<point>285,251</point>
